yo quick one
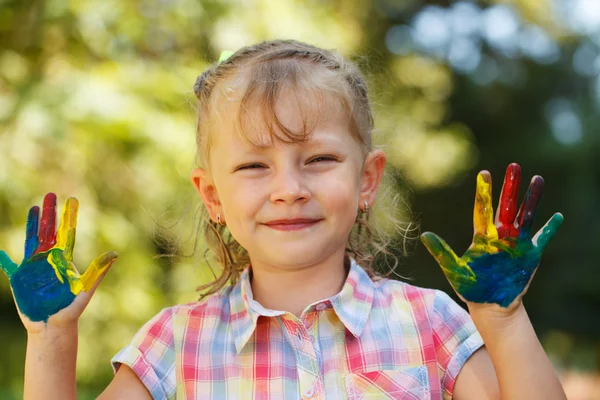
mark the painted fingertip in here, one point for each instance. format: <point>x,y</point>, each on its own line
<point>426,239</point>
<point>108,258</point>
<point>537,180</point>
<point>549,230</point>
<point>557,220</point>
<point>432,241</point>
<point>34,210</point>
<point>426,236</point>
<point>72,203</point>
<point>513,167</point>
<point>513,173</point>
<point>485,176</point>
<point>50,200</point>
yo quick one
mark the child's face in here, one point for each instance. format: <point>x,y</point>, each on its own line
<point>289,181</point>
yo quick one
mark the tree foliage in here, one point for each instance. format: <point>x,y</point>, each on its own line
<point>96,102</point>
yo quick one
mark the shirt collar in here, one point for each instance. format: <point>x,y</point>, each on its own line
<point>352,304</point>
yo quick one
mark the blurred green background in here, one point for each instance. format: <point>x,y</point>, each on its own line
<point>96,102</point>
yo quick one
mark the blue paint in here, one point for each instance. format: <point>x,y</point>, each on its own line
<point>500,277</point>
<point>499,264</point>
<point>38,292</point>
<point>40,284</point>
<point>31,233</point>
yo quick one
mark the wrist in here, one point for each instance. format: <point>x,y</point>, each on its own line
<point>50,363</point>
<point>499,328</point>
<point>53,333</point>
<point>492,317</point>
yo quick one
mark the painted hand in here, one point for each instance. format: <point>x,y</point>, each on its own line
<point>47,281</point>
<point>500,263</point>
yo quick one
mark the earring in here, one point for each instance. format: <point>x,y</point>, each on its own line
<point>219,219</point>
<point>366,207</point>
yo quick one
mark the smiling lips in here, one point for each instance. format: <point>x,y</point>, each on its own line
<point>292,224</point>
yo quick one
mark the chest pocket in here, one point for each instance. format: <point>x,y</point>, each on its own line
<point>408,383</point>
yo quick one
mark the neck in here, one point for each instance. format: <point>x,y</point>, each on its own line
<point>292,290</point>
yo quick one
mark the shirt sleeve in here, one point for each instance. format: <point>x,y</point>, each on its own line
<point>455,338</point>
<point>151,355</point>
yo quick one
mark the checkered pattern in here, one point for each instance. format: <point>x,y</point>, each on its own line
<point>374,339</point>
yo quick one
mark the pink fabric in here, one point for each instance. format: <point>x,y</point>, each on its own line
<point>382,339</point>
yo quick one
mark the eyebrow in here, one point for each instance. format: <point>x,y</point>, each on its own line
<point>310,144</point>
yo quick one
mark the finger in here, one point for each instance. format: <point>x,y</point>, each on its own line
<point>483,213</point>
<point>48,224</point>
<point>530,203</point>
<point>66,232</point>
<point>455,270</point>
<point>31,232</point>
<point>7,265</point>
<point>96,270</point>
<point>507,209</point>
<point>545,235</point>
<point>62,266</point>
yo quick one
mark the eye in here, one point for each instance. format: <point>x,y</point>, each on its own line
<point>323,158</point>
<point>248,166</point>
<point>251,166</point>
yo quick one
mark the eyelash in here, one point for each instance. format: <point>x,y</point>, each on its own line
<point>316,158</point>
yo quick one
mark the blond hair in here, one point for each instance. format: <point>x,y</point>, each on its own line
<point>312,74</point>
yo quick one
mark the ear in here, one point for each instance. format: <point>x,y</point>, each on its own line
<point>205,186</point>
<point>371,176</point>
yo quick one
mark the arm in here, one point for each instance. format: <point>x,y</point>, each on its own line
<point>50,364</point>
<point>513,365</point>
<point>522,368</point>
<point>492,277</point>
<point>125,385</point>
<point>50,296</point>
<point>50,369</point>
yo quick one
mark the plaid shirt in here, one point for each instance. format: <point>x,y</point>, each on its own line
<point>375,339</point>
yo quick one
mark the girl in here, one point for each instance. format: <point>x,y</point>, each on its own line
<point>284,135</point>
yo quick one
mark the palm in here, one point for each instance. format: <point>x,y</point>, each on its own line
<point>499,265</point>
<point>47,284</point>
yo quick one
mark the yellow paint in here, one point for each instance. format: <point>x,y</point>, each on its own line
<point>56,267</point>
<point>60,257</point>
<point>65,237</point>
<point>483,217</point>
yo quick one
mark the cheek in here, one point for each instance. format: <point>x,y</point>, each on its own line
<point>338,192</point>
<point>242,198</point>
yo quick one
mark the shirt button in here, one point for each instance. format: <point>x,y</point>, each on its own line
<point>321,306</point>
<point>309,393</point>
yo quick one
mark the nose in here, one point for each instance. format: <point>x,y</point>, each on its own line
<point>289,186</point>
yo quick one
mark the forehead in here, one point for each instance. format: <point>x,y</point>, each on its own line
<point>293,116</point>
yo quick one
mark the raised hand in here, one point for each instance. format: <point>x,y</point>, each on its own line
<point>47,283</point>
<point>500,263</point>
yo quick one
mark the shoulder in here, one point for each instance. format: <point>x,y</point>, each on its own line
<point>214,305</point>
<point>418,298</point>
<point>432,310</point>
<point>167,322</point>
<point>157,337</point>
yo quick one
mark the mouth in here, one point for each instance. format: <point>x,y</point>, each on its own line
<point>293,226</point>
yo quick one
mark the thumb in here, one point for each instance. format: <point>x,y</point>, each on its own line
<point>547,232</point>
<point>454,269</point>
<point>440,250</point>
<point>97,270</point>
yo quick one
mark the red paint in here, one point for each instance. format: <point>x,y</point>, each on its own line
<point>530,203</point>
<point>507,209</point>
<point>47,234</point>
